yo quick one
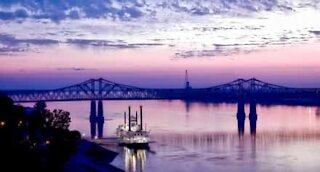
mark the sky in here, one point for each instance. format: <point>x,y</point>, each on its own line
<point>150,43</point>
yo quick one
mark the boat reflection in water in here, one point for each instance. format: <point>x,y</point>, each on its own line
<point>135,159</point>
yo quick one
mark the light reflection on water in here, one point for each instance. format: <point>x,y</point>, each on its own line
<point>134,159</point>
<point>204,136</point>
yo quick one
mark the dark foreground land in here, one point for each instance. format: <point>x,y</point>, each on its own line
<point>37,139</point>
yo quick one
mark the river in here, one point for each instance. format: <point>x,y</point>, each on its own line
<point>204,136</point>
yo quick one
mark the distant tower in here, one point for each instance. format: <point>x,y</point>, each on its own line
<point>187,83</point>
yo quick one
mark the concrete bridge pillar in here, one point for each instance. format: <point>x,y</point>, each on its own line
<point>93,118</point>
<point>241,116</point>
<point>253,117</point>
<point>100,119</point>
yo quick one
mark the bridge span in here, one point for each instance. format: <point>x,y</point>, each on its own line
<point>240,91</point>
<point>101,89</point>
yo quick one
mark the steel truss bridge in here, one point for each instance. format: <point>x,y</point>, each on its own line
<point>240,91</point>
<point>101,89</point>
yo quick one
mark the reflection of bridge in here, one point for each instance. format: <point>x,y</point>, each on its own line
<point>240,91</point>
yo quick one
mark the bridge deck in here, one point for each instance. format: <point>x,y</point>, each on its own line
<point>101,89</point>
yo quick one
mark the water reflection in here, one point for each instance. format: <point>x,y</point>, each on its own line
<point>241,124</point>
<point>253,117</point>
<point>241,116</point>
<point>134,159</point>
<point>96,119</point>
<point>318,112</point>
<point>217,142</point>
<point>187,106</point>
<point>209,138</point>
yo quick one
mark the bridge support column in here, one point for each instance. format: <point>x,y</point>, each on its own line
<point>100,119</point>
<point>241,116</point>
<point>253,117</point>
<point>93,118</point>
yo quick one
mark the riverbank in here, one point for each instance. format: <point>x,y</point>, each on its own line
<point>91,157</point>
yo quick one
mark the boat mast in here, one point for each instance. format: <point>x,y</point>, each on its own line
<point>136,117</point>
<point>129,118</point>
<point>141,118</point>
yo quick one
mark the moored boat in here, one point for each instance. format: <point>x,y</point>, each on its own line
<point>131,133</point>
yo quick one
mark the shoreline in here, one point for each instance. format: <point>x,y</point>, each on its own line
<point>91,156</point>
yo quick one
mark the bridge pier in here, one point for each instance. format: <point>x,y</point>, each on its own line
<point>241,116</point>
<point>253,117</point>
<point>100,119</point>
<point>93,118</point>
<point>96,119</point>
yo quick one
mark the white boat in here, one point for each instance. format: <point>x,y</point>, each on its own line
<point>131,133</point>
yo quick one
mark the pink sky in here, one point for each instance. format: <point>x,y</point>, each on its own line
<point>297,66</point>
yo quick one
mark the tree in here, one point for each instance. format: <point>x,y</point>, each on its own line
<point>40,106</point>
<point>52,119</point>
<point>37,140</point>
<point>58,119</point>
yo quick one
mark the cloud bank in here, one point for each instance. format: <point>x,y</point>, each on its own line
<point>132,9</point>
<point>190,28</point>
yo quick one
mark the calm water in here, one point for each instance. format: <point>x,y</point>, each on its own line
<point>204,136</point>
